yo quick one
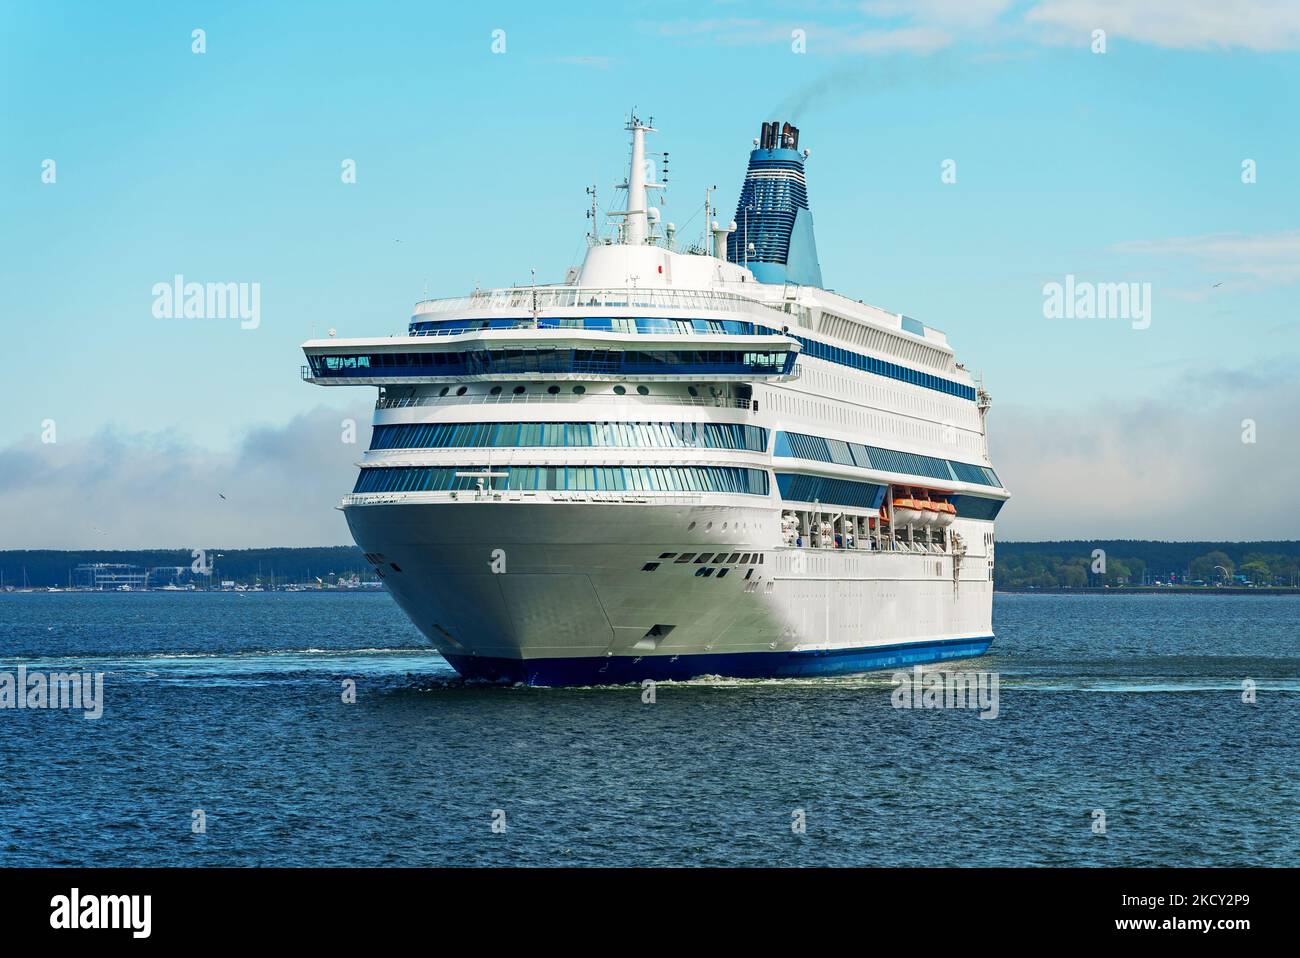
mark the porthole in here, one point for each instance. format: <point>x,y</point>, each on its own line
<point>690,527</point>
<point>692,390</point>
<point>495,390</point>
<point>462,390</point>
<point>553,390</point>
<point>443,391</point>
<point>579,390</point>
<point>619,390</point>
<point>519,390</point>
<point>642,391</point>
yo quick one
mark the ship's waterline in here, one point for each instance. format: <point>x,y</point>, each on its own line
<point>677,462</point>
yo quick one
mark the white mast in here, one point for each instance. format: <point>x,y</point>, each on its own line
<point>636,222</point>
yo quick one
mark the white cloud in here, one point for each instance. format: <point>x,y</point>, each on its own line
<point>955,12</point>
<point>821,36</point>
<point>1261,25</point>
<point>919,39</point>
<point>1271,258</point>
<point>924,26</point>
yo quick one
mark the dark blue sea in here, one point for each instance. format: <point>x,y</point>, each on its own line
<point>232,703</point>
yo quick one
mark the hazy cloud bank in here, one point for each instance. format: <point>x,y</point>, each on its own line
<point>1173,467</point>
<point>157,490</point>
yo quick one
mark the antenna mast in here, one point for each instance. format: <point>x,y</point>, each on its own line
<point>637,206</point>
<point>709,212</point>
<point>594,235</point>
<point>636,219</point>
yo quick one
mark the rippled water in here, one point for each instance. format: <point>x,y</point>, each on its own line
<point>231,703</point>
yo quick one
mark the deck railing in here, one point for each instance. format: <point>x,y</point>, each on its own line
<point>576,297</point>
<point>561,331</point>
<point>595,398</point>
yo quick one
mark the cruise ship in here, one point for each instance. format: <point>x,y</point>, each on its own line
<point>684,460</point>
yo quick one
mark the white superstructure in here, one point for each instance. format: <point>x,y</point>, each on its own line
<point>669,465</point>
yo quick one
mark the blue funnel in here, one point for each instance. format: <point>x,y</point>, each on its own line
<point>773,216</point>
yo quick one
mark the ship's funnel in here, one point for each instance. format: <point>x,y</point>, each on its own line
<point>772,216</point>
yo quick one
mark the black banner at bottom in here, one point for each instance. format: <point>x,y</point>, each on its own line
<point>334,906</point>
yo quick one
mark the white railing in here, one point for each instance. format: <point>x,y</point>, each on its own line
<point>575,297</point>
<point>596,398</point>
<point>522,495</point>
<point>528,325</point>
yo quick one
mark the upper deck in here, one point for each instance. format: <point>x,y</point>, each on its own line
<point>812,309</point>
<point>639,307</point>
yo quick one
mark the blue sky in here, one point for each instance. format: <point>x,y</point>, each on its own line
<point>1124,166</point>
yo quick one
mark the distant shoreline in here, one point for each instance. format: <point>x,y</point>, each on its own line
<point>1065,567</point>
<point>372,590</point>
<point>1157,590</point>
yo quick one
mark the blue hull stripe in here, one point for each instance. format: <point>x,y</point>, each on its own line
<point>619,669</point>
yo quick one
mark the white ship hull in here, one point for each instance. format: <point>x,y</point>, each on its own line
<point>571,602</point>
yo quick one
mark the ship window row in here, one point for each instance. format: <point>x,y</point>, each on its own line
<point>811,347</point>
<point>840,492</point>
<point>982,475</point>
<point>481,362</point>
<point>881,367</point>
<point>652,325</point>
<point>566,478</point>
<point>646,435</point>
<point>800,446</point>
<point>977,507</point>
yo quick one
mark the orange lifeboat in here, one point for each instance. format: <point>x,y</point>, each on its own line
<point>908,512</point>
<point>930,512</point>
<point>947,513</point>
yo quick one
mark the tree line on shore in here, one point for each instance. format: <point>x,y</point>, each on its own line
<point>42,568</point>
<point>1119,564</point>
<point>1019,565</point>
